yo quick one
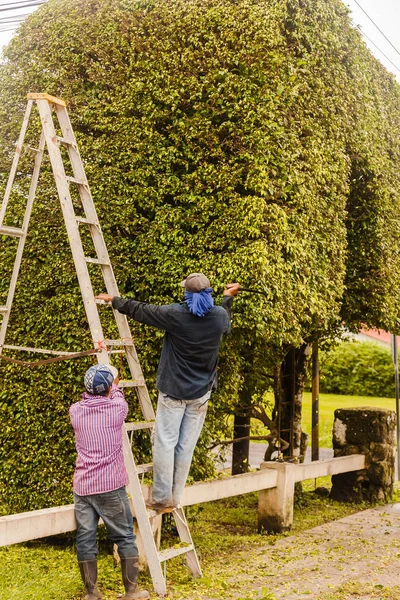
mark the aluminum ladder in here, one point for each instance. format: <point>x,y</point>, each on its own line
<point>50,107</point>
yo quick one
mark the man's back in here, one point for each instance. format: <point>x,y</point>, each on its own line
<point>188,363</point>
<point>97,422</point>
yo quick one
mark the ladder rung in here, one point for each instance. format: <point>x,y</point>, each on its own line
<point>96,261</point>
<point>132,426</point>
<point>33,149</point>
<point>12,231</point>
<point>172,552</point>
<point>118,343</point>
<point>74,180</point>
<point>85,220</point>
<point>125,383</point>
<point>65,141</point>
<point>147,468</point>
<point>3,310</point>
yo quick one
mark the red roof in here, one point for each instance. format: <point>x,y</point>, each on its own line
<point>377,334</point>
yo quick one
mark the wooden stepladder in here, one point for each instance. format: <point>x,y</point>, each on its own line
<point>50,107</point>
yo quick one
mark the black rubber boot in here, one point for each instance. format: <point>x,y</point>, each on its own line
<point>130,574</point>
<point>88,570</point>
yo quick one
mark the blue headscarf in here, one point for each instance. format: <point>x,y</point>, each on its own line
<point>199,303</point>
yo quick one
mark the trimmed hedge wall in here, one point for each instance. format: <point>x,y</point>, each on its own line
<point>217,136</point>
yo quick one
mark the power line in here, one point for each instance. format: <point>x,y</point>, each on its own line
<point>14,5</point>
<point>10,22</point>
<point>26,5</point>
<point>5,30</point>
<point>380,30</point>
<point>373,43</point>
<point>5,20</point>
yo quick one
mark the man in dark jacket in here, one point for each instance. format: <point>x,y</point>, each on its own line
<point>186,375</point>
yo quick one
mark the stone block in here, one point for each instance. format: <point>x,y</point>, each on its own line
<point>368,431</point>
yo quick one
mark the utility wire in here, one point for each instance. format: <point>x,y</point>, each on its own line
<point>380,30</point>
<point>5,20</point>
<point>377,47</point>
<point>26,5</point>
<point>9,22</point>
<point>16,5</point>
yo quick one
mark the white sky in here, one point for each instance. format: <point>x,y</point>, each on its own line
<point>385,13</point>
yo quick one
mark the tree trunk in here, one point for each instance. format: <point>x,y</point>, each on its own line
<point>240,457</point>
<point>290,389</point>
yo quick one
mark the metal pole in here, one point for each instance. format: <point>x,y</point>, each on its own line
<point>395,358</point>
<point>315,403</point>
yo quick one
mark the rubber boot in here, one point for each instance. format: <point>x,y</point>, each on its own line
<point>130,573</point>
<point>88,570</point>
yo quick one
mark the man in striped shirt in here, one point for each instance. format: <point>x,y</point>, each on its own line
<point>100,479</point>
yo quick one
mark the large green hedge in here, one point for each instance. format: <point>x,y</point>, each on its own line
<point>217,136</point>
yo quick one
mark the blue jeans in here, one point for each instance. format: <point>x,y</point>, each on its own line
<point>178,426</point>
<point>113,507</point>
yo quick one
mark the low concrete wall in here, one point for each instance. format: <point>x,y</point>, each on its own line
<point>32,525</point>
<point>274,482</point>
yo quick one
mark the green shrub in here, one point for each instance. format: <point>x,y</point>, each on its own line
<point>358,369</point>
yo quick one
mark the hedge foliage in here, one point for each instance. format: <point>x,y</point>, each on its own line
<point>358,369</point>
<point>228,137</point>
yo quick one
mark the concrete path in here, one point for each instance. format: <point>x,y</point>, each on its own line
<point>362,550</point>
<point>357,557</point>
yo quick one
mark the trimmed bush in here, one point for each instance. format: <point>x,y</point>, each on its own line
<point>358,369</point>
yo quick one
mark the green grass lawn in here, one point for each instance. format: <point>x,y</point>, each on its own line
<point>225,535</point>
<point>328,403</point>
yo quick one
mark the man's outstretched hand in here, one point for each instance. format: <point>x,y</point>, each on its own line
<point>105,297</point>
<point>231,289</point>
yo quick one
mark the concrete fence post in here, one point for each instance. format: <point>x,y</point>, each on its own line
<point>275,505</point>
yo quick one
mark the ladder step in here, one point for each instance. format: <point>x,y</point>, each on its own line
<point>96,261</point>
<point>132,426</point>
<point>118,343</point>
<point>85,220</point>
<point>147,468</point>
<point>65,141</point>
<point>74,180</point>
<point>3,310</point>
<point>172,552</point>
<point>127,383</point>
<point>12,231</point>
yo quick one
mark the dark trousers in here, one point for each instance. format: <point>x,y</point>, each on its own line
<point>113,507</point>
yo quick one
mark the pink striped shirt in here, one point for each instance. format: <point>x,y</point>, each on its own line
<point>97,422</point>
